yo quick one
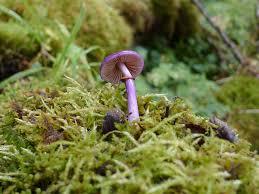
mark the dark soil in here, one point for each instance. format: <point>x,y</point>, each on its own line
<point>11,63</point>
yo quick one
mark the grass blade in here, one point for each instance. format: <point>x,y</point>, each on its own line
<point>58,69</point>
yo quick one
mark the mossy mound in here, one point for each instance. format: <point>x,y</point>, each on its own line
<point>52,142</point>
<point>173,19</point>
<point>102,25</point>
<point>16,47</point>
<point>17,38</point>
<point>26,24</point>
<point>242,94</point>
<point>187,23</point>
<point>138,13</point>
<point>166,14</point>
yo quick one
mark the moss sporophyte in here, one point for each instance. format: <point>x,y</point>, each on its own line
<point>124,66</point>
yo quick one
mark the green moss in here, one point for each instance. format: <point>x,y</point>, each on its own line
<point>23,34</point>
<point>17,38</point>
<point>69,154</point>
<point>242,94</point>
<point>110,31</point>
<point>176,18</point>
<point>138,13</point>
<point>166,14</point>
<point>187,23</point>
<point>102,27</point>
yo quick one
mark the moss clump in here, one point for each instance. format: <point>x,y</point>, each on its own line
<point>23,35</point>
<point>242,94</point>
<point>176,18</point>
<point>166,14</point>
<point>16,46</point>
<point>138,13</point>
<point>17,38</point>
<point>56,146</point>
<point>187,23</point>
<point>102,25</point>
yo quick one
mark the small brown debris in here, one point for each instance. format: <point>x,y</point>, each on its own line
<point>112,117</point>
<point>196,128</point>
<point>32,119</point>
<point>50,136</point>
<point>102,170</point>
<point>18,109</point>
<point>224,131</point>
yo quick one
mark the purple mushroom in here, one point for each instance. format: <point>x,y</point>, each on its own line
<point>124,66</point>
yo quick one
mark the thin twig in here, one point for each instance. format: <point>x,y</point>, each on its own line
<point>249,111</point>
<point>230,44</point>
<point>257,11</point>
<point>257,24</point>
<point>224,80</point>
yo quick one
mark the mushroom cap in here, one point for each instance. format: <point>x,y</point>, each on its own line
<point>109,70</point>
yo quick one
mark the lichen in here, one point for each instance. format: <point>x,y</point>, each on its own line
<point>56,146</point>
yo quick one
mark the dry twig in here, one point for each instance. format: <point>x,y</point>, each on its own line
<point>230,44</point>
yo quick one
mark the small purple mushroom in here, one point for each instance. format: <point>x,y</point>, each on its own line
<point>124,66</point>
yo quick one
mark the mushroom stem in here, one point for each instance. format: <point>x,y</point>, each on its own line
<point>131,93</point>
